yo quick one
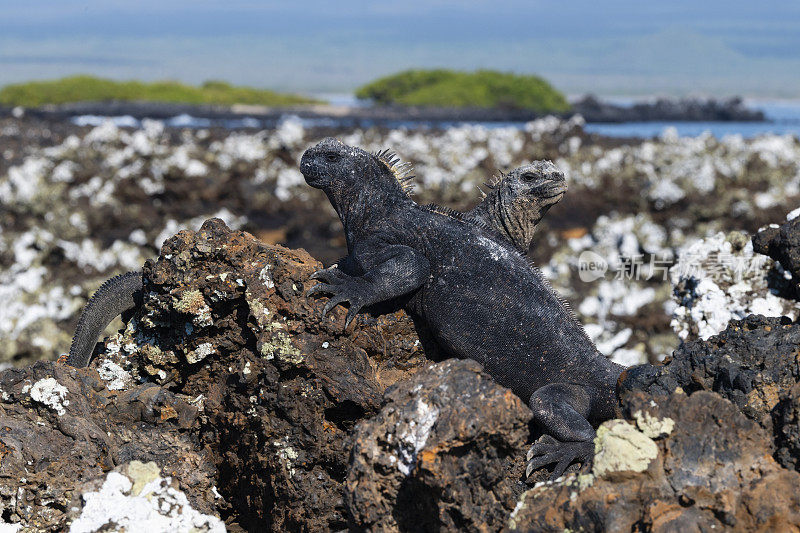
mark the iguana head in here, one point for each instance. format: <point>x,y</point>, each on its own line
<point>517,201</point>
<point>535,187</point>
<point>334,166</point>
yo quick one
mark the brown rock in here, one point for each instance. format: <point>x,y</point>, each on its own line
<point>61,428</point>
<point>436,456</point>
<point>225,319</point>
<point>713,470</point>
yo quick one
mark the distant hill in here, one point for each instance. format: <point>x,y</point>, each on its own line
<point>92,89</point>
<point>450,88</point>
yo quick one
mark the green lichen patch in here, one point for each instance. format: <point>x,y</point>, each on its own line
<point>192,302</point>
<point>279,345</point>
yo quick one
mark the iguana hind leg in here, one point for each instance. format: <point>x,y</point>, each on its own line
<point>562,411</point>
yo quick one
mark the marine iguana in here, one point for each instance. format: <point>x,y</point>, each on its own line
<point>475,293</point>
<point>513,207</point>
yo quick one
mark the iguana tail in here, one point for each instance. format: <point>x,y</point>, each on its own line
<point>115,296</point>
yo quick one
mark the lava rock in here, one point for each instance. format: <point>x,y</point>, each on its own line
<point>270,418</point>
<point>786,421</point>
<point>225,319</point>
<point>61,428</point>
<point>684,463</point>
<point>752,363</point>
<point>782,243</point>
<point>436,457</point>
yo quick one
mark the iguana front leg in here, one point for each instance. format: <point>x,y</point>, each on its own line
<point>387,271</point>
<point>561,410</point>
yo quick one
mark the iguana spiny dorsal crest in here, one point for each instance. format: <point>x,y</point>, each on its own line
<point>514,205</point>
<point>402,172</point>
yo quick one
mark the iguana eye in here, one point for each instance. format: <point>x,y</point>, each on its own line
<point>528,176</point>
<point>332,157</point>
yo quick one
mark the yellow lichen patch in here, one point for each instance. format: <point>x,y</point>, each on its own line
<point>619,446</point>
<point>653,427</point>
<point>141,474</point>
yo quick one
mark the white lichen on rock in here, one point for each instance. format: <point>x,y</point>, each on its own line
<point>652,426</point>
<point>265,277</point>
<point>116,377</point>
<point>139,499</point>
<point>619,446</point>
<point>413,434</point>
<point>287,455</point>
<point>200,353</point>
<point>51,393</point>
<point>720,278</point>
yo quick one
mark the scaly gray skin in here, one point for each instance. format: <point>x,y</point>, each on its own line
<point>117,295</point>
<point>477,296</point>
<point>518,201</point>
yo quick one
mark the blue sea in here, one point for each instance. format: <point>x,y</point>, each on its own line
<point>783,117</point>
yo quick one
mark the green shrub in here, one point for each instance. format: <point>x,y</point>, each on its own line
<point>91,89</point>
<point>449,88</point>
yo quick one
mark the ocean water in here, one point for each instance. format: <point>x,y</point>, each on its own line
<point>783,118</point>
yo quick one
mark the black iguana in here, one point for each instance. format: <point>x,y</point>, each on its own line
<point>513,207</point>
<point>476,294</point>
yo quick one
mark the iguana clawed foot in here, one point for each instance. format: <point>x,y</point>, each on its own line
<point>342,288</point>
<point>547,450</point>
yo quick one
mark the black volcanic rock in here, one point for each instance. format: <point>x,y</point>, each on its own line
<point>752,363</point>
<point>782,243</point>
<point>667,109</point>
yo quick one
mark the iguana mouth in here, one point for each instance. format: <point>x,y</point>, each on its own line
<point>554,195</point>
<point>551,190</point>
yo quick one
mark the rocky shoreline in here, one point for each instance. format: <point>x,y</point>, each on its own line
<point>589,107</point>
<point>668,110</point>
<point>226,399</point>
<point>227,396</point>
